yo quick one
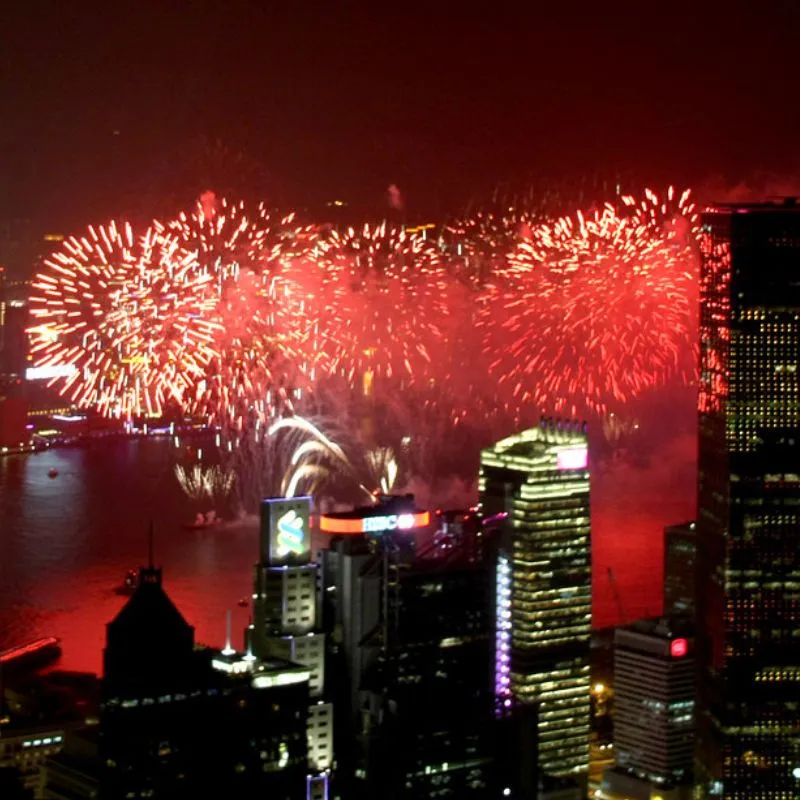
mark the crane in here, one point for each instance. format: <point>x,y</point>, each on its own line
<point>612,579</point>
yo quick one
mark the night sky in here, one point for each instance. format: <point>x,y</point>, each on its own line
<point>110,110</point>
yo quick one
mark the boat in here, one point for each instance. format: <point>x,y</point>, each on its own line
<point>53,473</point>
<point>203,521</point>
<point>128,586</point>
<point>38,653</point>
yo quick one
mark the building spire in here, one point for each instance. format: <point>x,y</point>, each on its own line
<point>150,563</point>
<point>228,651</point>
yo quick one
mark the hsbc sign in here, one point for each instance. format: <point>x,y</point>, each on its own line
<point>391,522</point>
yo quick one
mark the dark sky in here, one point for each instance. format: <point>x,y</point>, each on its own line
<point>115,107</point>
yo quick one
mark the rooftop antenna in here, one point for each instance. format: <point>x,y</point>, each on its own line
<point>228,650</point>
<point>249,635</point>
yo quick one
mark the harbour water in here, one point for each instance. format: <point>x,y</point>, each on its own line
<point>67,541</point>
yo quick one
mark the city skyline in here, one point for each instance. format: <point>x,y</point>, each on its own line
<point>446,359</point>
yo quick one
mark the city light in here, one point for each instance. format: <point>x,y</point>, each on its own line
<point>502,677</point>
<point>49,372</point>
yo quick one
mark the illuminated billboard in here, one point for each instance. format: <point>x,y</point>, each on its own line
<point>375,523</point>
<point>286,531</point>
<point>573,458</point>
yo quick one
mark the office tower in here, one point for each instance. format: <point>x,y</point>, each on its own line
<point>353,575</point>
<point>654,702</point>
<point>13,360</point>
<point>680,559</point>
<point>748,525</point>
<point>179,721</point>
<point>414,631</point>
<point>285,618</point>
<point>539,479</point>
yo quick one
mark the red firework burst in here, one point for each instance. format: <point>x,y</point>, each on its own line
<point>249,256</point>
<point>380,303</point>
<point>592,311</point>
<point>129,313</point>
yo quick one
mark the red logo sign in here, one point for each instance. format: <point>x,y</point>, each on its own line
<point>678,648</point>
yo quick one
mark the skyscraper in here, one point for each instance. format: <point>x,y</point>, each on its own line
<point>413,627</point>
<point>680,558</point>
<point>285,618</point>
<point>540,480</point>
<point>654,700</point>
<point>748,525</point>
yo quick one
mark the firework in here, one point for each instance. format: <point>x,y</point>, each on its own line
<point>262,362</point>
<point>673,216</point>
<point>593,310</point>
<point>383,467</point>
<point>199,483</point>
<point>129,313</point>
<point>245,318</point>
<point>380,305</point>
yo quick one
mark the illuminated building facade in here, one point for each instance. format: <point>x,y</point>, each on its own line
<point>413,631</point>
<point>654,704</point>
<point>540,480</point>
<point>748,526</point>
<point>680,574</point>
<point>286,618</point>
<point>179,721</point>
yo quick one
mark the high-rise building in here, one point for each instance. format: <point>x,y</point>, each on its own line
<point>654,702</point>
<point>413,630</point>
<point>179,721</point>
<point>539,479</point>
<point>13,361</point>
<point>286,618</point>
<point>13,340</point>
<point>680,558</point>
<point>748,525</point>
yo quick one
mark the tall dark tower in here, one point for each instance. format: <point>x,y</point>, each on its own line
<point>748,525</point>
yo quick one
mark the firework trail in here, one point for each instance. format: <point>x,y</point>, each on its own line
<point>199,483</point>
<point>314,459</point>
<point>129,313</point>
<point>383,468</point>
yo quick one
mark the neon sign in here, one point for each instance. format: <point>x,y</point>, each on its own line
<point>377,524</point>
<point>286,531</point>
<point>291,538</point>
<point>678,648</point>
<point>574,458</point>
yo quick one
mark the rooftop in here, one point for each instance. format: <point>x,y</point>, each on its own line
<point>149,607</point>
<point>783,204</point>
